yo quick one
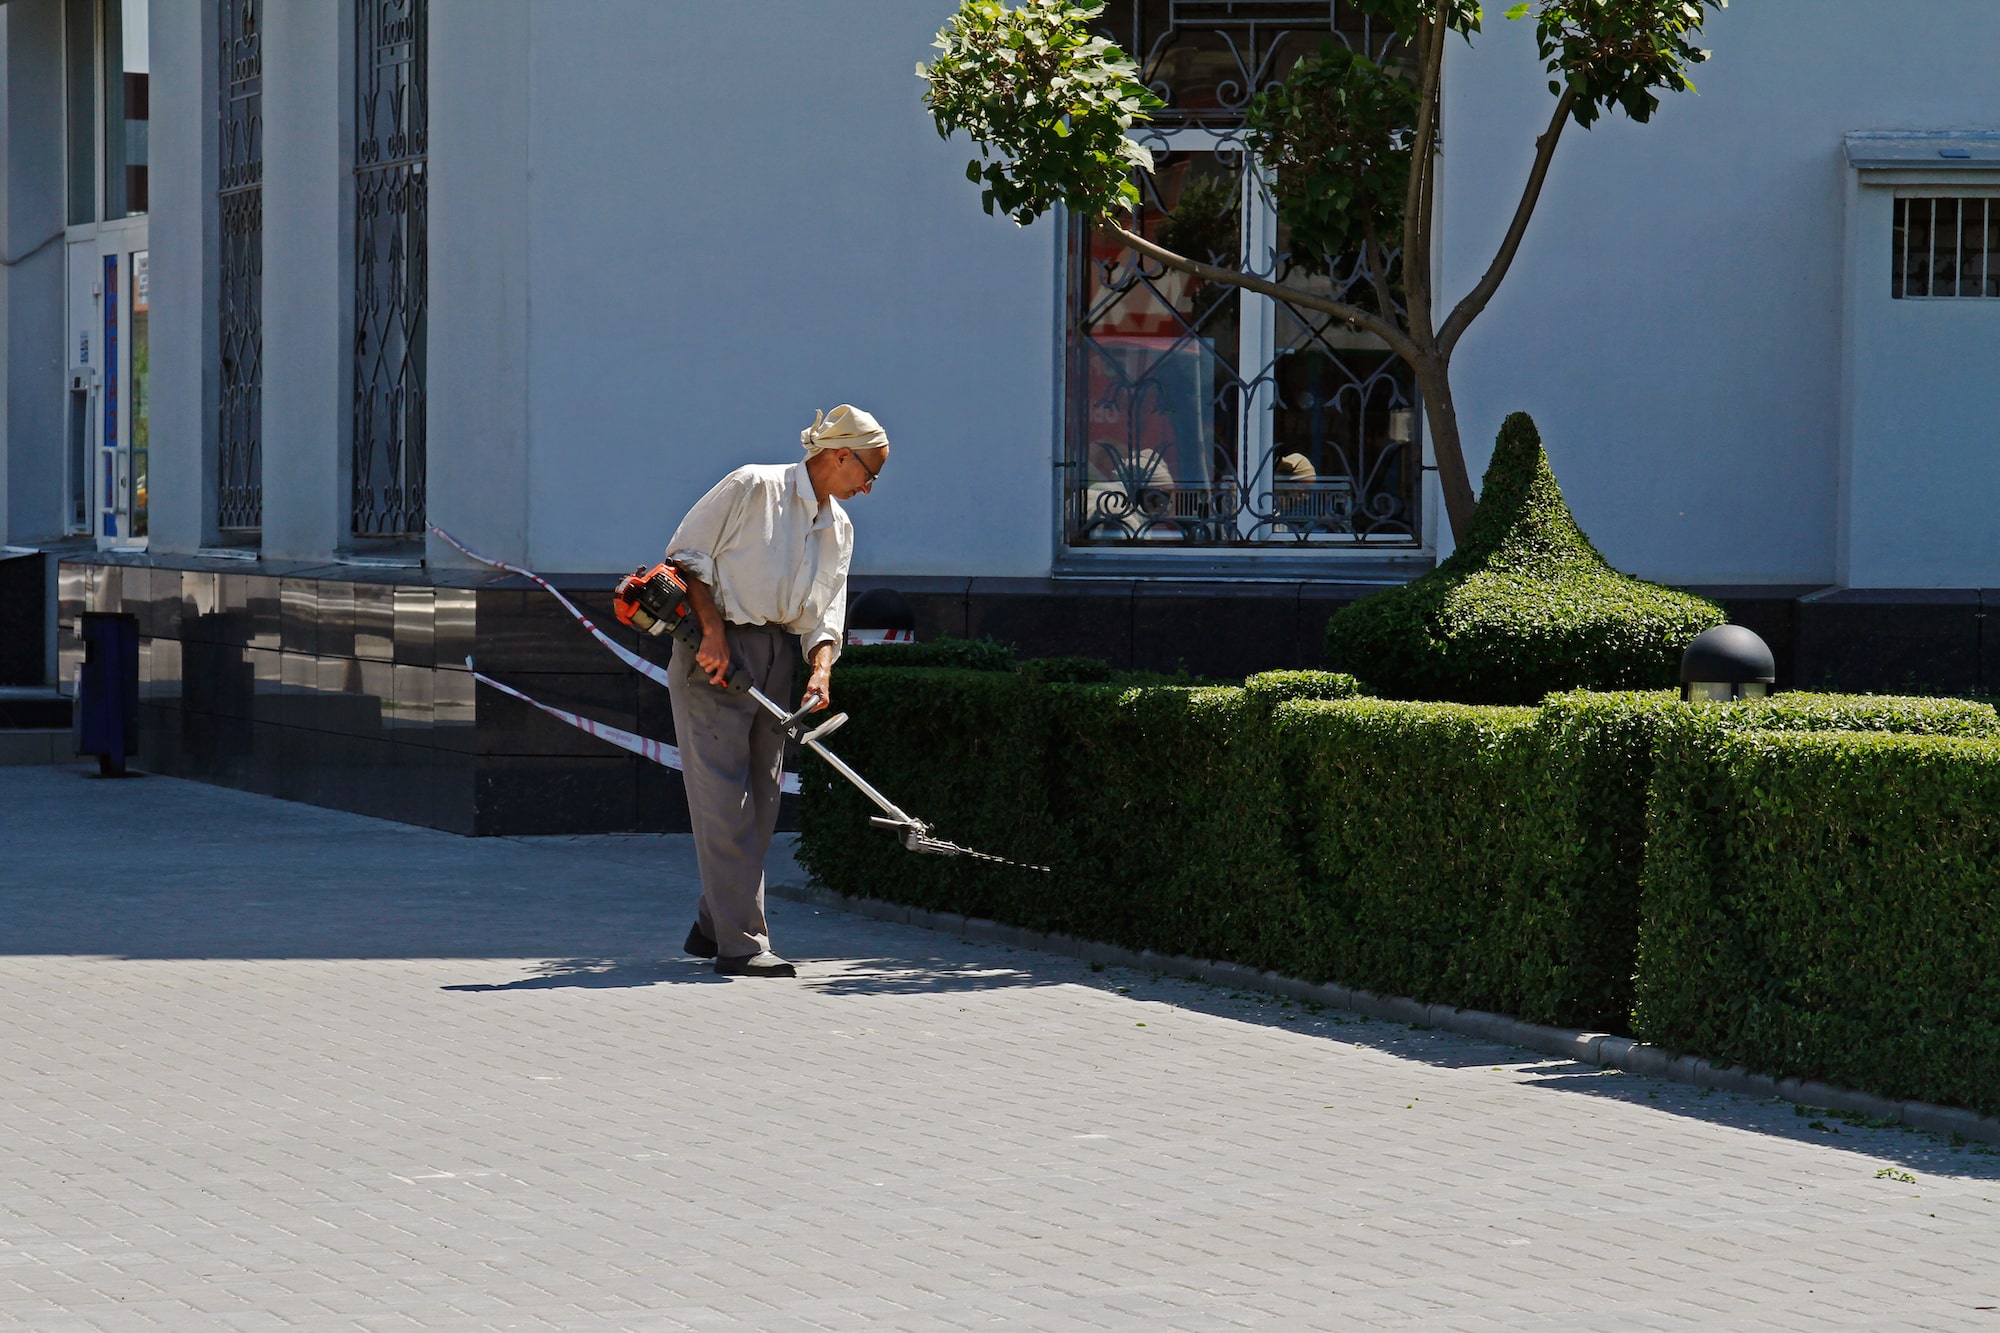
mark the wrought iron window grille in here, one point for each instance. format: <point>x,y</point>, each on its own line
<point>239,464</point>
<point>1945,247</point>
<point>391,193</point>
<point>1205,416</point>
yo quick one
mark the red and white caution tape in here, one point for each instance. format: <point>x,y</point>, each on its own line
<point>659,752</point>
<point>646,748</point>
<point>650,670</point>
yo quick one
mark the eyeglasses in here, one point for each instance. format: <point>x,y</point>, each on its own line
<point>873,472</point>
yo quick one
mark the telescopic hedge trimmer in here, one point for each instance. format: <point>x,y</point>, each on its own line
<point>655,602</point>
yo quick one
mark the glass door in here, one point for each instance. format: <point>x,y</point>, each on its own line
<point>107,108</point>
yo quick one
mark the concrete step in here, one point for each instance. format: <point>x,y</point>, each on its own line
<point>33,708</point>
<point>32,745</point>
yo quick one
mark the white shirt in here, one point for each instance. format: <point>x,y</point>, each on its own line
<point>770,552</point>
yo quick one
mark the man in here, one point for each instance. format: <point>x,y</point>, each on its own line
<point>765,557</point>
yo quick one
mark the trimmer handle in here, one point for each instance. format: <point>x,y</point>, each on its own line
<point>655,601</point>
<point>689,633</point>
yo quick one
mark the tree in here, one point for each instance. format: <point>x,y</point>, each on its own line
<point>1351,146</point>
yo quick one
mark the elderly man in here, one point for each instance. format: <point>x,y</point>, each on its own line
<point>765,556</point>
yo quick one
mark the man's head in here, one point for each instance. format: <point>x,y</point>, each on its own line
<point>845,451</point>
<point>845,473</point>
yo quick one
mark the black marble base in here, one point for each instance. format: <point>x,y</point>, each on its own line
<point>24,614</point>
<point>349,688</point>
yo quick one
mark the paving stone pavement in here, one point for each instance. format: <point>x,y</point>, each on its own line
<point>267,1066</point>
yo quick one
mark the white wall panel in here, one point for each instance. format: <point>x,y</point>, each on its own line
<point>740,213</point>
<point>182,233</point>
<point>1673,321</point>
<point>308,293</point>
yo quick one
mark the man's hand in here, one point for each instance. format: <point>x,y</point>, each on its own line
<point>820,683</point>
<point>713,656</point>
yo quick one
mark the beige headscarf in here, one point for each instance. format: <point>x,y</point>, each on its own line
<point>846,427</point>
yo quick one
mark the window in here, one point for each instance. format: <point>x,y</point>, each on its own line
<point>391,141</point>
<point>127,75</point>
<point>80,98</point>
<point>107,76</point>
<point>1202,415</point>
<point>1945,247</point>
<point>239,464</point>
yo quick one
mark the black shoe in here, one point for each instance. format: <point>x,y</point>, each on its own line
<point>765,964</point>
<point>698,943</point>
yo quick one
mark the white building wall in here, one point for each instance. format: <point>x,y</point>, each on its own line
<point>1922,397</point>
<point>478,379</point>
<point>739,213</point>
<point>32,473</point>
<point>1673,321</point>
<point>308,283</point>
<point>182,234</point>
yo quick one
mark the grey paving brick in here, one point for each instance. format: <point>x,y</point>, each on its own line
<point>273,1067</point>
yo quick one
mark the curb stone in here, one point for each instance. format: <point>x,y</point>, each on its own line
<point>1592,1048</point>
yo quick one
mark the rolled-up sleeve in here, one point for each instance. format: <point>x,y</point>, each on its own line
<point>826,605</point>
<point>703,534</point>
<point>830,628</point>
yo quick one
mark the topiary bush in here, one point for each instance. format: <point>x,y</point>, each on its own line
<point>1526,606</point>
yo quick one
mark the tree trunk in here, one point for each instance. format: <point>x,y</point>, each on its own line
<point>1434,383</point>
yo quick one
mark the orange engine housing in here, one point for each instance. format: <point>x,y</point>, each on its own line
<point>652,601</point>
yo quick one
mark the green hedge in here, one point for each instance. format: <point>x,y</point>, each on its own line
<point>1178,825</point>
<point>1157,807</point>
<point>1410,820</point>
<point>967,751</point>
<point>1491,857</point>
<point>1577,924</point>
<point>1828,906</point>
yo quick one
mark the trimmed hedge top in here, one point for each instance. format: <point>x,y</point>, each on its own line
<point>1524,607</point>
<point>957,654</point>
<point>1783,712</point>
<point>1271,688</point>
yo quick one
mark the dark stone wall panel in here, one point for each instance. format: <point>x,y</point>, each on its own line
<point>530,794</point>
<point>1319,603</point>
<point>1890,641</point>
<point>527,631</point>
<point>1989,641</point>
<point>509,727</point>
<point>1218,633</point>
<point>940,604</point>
<point>1044,618</point>
<point>24,615</point>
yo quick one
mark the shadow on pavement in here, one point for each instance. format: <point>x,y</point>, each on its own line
<point>907,976</point>
<point>1916,1150</point>
<point>604,974</point>
<point>869,976</point>
<point>167,869</point>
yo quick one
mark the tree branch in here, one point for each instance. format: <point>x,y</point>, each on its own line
<point>1416,260</point>
<point>1475,300</point>
<point>1399,341</point>
<point>1378,273</point>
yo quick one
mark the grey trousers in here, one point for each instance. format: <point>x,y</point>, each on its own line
<point>732,758</point>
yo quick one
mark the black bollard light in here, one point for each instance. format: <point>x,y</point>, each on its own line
<point>881,615</point>
<point>1724,663</point>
